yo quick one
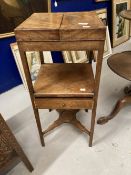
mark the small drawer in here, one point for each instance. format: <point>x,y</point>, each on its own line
<point>64,103</point>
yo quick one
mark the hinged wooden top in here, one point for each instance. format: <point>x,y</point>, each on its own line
<point>42,21</point>
<point>82,26</point>
<point>39,26</point>
<point>61,26</point>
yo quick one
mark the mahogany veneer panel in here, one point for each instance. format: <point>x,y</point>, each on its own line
<point>64,80</point>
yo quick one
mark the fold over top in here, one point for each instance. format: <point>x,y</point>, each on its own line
<point>61,27</point>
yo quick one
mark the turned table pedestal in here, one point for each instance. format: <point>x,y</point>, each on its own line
<point>121,65</point>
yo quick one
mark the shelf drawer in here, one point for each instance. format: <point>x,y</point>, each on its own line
<point>64,103</point>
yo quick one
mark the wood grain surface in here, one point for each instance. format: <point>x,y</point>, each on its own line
<point>40,27</point>
<point>65,80</point>
<point>120,63</point>
<point>81,26</point>
<point>61,26</point>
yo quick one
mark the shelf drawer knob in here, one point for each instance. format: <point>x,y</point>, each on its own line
<point>63,105</point>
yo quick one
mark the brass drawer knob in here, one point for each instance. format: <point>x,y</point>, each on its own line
<point>63,105</point>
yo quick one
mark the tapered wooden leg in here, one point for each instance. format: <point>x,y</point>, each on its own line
<point>41,57</point>
<point>37,117</point>
<point>28,164</point>
<point>92,125</point>
<point>119,105</point>
<point>30,87</point>
<point>97,81</point>
<point>67,116</point>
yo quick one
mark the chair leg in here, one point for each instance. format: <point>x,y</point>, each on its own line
<point>37,117</point>
<point>10,143</point>
<point>119,105</point>
<point>92,125</point>
<point>24,158</point>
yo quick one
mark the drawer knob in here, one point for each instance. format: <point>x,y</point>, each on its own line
<point>63,104</point>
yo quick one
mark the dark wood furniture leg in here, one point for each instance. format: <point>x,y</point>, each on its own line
<point>67,116</point>
<point>41,57</point>
<point>121,67</point>
<point>92,126</point>
<point>119,105</point>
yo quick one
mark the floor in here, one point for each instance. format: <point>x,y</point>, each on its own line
<point>66,151</point>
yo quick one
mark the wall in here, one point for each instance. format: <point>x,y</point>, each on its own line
<point>78,5</point>
<point>9,76</point>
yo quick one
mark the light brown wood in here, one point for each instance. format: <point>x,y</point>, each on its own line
<point>97,83</point>
<point>58,86</point>
<point>61,45</point>
<point>67,116</point>
<point>31,91</point>
<point>74,27</point>
<point>64,103</point>
<point>61,26</point>
<point>65,80</point>
<point>32,28</point>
